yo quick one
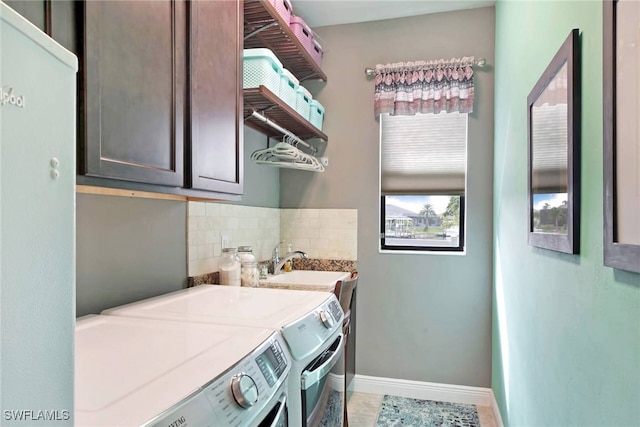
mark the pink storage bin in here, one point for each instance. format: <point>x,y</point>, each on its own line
<point>317,52</point>
<point>284,9</point>
<point>302,32</point>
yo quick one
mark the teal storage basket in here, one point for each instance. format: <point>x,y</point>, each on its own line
<point>316,114</point>
<point>303,102</point>
<point>261,67</point>
<point>288,88</point>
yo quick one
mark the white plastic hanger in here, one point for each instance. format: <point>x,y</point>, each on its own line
<point>285,154</point>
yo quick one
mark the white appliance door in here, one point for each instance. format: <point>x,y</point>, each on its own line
<point>37,225</point>
<point>323,393</point>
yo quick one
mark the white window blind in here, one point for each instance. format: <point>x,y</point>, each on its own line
<point>425,153</point>
<point>549,157</point>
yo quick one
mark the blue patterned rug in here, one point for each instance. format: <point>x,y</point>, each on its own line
<point>402,411</point>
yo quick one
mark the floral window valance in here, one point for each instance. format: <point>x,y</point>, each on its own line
<point>408,88</point>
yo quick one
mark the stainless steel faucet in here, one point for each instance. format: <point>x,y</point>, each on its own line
<point>278,262</point>
<point>275,256</point>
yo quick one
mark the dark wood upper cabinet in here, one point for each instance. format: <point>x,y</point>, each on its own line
<point>134,74</point>
<point>215,160</point>
<point>55,17</point>
<point>160,95</point>
<point>64,17</point>
<point>35,11</point>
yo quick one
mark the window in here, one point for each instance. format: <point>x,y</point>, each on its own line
<point>423,163</point>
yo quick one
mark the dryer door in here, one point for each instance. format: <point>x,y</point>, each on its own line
<point>322,391</point>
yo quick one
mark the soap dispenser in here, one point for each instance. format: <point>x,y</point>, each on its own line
<point>288,266</point>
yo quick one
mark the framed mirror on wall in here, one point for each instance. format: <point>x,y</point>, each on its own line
<point>621,73</point>
<point>553,138</point>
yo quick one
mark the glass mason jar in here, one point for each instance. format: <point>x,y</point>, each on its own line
<point>245,253</point>
<point>249,275</point>
<point>230,267</point>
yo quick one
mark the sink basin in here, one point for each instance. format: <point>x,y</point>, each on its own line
<point>305,279</point>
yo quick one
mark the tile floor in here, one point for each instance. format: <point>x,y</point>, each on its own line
<point>363,411</point>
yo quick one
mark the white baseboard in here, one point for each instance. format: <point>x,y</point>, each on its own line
<point>423,390</point>
<point>496,411</point>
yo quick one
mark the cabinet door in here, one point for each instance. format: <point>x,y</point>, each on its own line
<point>216,143</point>
<point>134,90</point>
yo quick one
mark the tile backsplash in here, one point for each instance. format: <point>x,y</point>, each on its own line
<point>321,233</point>
<point>242,225</point>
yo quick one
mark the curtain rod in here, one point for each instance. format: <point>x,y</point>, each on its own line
<point>480,62</point>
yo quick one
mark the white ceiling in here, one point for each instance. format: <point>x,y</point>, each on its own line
<point>319,13</point>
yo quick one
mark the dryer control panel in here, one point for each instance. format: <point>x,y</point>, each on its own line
<point>307,334</point>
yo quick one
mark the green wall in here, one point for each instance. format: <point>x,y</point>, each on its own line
<point>566,329</point>
<point>261,182</point>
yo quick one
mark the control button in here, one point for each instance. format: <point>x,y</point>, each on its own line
<point>244,390</point>
<point>327,320</point>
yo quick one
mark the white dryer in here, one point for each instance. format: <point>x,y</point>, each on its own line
<point>143,372</point>
<point>310,322</point>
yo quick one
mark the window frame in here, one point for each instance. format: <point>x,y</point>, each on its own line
<point>412,249</point>
<point>422,249</point>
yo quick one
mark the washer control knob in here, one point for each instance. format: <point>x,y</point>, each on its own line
<point>327,320</point>
<point>244,390</point>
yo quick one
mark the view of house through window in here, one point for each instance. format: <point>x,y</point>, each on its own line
<point>428,221</point>
<point>423,164</point>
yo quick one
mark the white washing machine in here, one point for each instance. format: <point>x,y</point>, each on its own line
<point>310,322</point>
<point>143,372</point>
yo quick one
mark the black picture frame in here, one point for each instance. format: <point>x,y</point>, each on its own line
<point>553,118</point>
<point>623,256</point>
